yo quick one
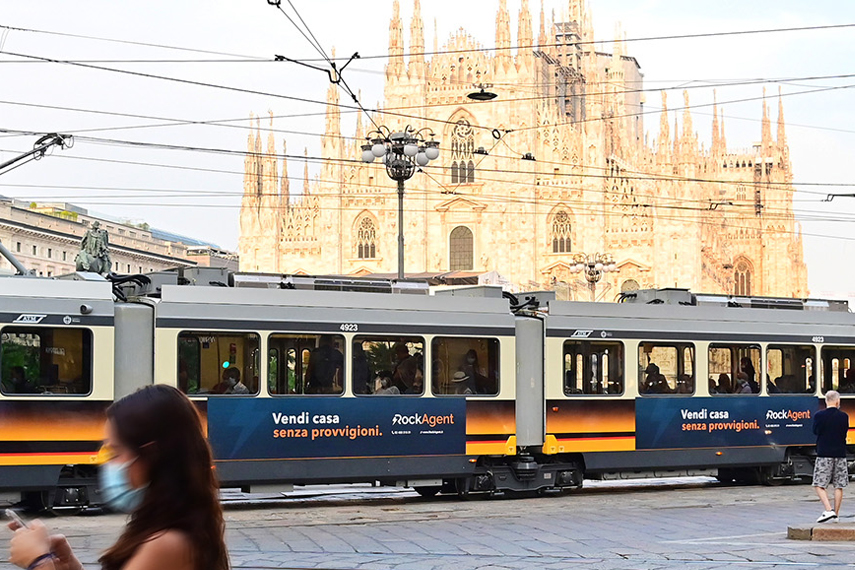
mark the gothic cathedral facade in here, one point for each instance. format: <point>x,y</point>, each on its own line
<point>670,213</point>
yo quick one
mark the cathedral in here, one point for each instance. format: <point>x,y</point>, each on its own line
<point>557,165</point>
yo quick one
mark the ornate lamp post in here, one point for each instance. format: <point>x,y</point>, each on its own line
<point>594,267</point>
<point>402,152</point>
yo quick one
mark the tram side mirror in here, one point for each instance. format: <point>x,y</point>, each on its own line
<point>85,309</point>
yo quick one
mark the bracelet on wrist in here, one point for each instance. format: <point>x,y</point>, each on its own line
<point>38,561</point>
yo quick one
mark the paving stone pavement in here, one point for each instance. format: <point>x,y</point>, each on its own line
<point>610,527</point>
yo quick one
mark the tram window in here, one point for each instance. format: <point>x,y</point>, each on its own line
<point>593,367</point>
<point>837,369</point>
<point>790,369</point>
<point>733,369</point>
<point>666,368</point>
<point>465,366</point>
<point>386,365</point>
<point>305,364</point>
<point>218,363</point>
<point>45,361</point>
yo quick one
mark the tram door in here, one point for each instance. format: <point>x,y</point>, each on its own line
<point>530,403</point>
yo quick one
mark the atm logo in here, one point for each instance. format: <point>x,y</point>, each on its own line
<point>26,319</point>
<point>422,419</point>
<point>792,415</point>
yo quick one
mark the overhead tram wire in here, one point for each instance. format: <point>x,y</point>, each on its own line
<point>127,42</point>
<point>379,111</point>
<point>450,52</point>
<point>703,205</point>
<point>626,40</point>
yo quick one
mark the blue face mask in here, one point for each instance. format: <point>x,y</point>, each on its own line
<point>116,487</point>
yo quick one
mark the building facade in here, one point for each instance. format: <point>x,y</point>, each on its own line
<point>46,238</point>
<point>669,211</point>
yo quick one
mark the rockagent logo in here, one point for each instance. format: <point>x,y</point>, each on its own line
<point>792,415</point>
<point>422,419</point>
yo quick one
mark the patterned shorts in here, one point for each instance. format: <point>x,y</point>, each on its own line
<point>830,470</point>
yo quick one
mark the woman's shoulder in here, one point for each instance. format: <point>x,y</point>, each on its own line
<point>168,549</point>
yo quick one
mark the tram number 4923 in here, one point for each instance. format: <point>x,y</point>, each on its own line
<point>349,327</point>
<point>818,339</point>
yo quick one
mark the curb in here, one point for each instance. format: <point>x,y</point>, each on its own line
<point>823,532</point>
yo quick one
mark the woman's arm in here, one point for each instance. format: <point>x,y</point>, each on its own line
<point>30,544</point>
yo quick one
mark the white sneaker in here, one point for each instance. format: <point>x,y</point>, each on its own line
<point>826,516</point>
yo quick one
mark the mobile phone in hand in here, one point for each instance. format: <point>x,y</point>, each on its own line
<point>14,516</point>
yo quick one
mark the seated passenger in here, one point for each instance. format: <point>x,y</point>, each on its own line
<point>742,385</point>
<point>461,384</point>
<point>684,384</point>
<point>848,384</point>
<point>383,383</point>
<point>480,383</point>
<point>651,382</point>
<point>239,387</point>
<point>712,386</point>
<point>747,367</point>
<point>724,386</point>
<point>230,378</point>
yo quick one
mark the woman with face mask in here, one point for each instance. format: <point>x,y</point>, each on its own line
<point>160,472</point>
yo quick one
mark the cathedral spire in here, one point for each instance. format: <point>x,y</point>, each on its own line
<point>395,67</point>
<point>435,37</point>
<point>663,147</point>
<point>250,170</point>
<point>716,136</point>
<point>360,130</point>
<point>688,130</point>
<point>782,136</point>
<point>417,42</point>
<point>767,128</point>
<point>525,39</point>
<point>577,11</point>
<point>284,183</point>
<point>503,34</point>
<point>305,171</point>
<point>542,38</point>
<point>333,112</point>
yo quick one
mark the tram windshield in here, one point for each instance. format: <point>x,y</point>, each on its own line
<point>45,361</point>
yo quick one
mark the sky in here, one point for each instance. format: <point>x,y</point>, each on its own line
<point>198,194</point>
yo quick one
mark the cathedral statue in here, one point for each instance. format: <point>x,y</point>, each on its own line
<point>94,254</point>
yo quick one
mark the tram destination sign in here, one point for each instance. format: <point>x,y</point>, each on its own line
<point>301,427</point>
<point>674,423</point>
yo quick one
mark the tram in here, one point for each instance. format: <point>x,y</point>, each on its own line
<point>319,380</point>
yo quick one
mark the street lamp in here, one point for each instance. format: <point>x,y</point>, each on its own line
<point>594,267</point>
<point>402,152</point>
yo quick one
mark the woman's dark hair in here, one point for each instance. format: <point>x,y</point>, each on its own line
<point>162,426</point>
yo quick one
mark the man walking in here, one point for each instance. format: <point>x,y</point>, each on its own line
<point>830,427</point>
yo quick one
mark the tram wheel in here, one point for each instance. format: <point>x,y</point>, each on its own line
<point>428,491</point>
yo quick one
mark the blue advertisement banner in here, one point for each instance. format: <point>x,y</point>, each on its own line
<point>673,423</point>
<point>256,428</point>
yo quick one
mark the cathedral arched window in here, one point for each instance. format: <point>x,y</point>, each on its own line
<point>561,233</point>
<point>366,239</point>
<point>461,250</point>
<point>742,274</point>
<point>462,153</point>
<point>629,286</point>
